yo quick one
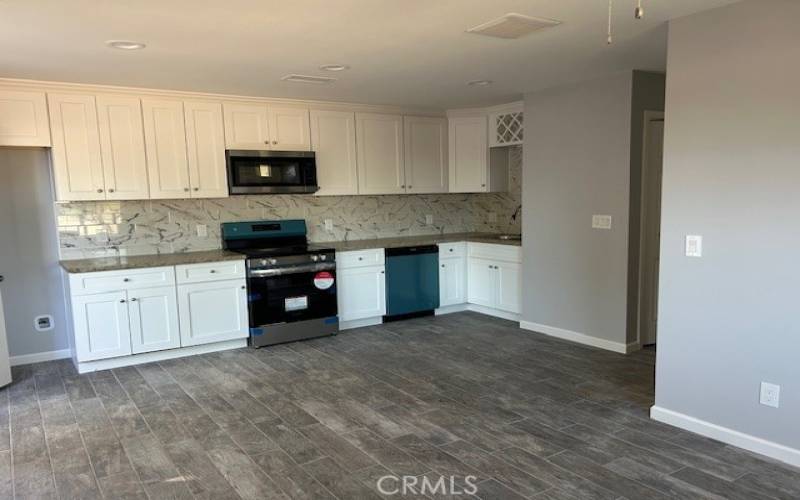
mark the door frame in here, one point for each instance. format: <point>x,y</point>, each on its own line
<point>649,117</point>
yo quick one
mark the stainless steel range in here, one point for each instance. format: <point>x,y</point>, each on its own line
<point>291,284</point>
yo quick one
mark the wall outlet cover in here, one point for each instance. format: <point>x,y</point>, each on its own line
<point>770,394</point>
<point>694,245</point>
<point>429,220</point>
<point>202,231</point>
<point>601,221</point>
<point>329,225</point>
<point>43,323</point>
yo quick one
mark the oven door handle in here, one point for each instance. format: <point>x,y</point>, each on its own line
<point>282,271</point>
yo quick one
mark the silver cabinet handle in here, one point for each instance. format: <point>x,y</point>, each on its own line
<point>99,190</point>
<point>133,299</point>
<point>122,301</point>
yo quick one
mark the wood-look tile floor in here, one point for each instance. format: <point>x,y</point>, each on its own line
<point>464,394</point>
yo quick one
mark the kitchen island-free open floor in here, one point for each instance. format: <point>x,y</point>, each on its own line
<point>464,394</point>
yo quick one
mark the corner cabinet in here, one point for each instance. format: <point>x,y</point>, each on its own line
<point>23,119</point>
<point>494,276</point>
<point>119,315</point>
<point>469,155</point>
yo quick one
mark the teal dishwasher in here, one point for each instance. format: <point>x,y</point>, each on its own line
<point>412,281</point>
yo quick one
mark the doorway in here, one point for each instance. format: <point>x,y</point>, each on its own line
<point>650,244</point>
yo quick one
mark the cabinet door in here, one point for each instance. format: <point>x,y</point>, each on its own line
<point>425,154</point>
<point>77,165</point>
<point>122,147</point>
<point>213,312</point>
<point>154,319</point>
<point>379,140</point>
<point>289,129</point>
<point>23,119</point>
<point>205,144</point>
<point>361,293</point>
<point>165,140</point>
<point>482,287</point>
<point>246,126</point>
<point>333,136</point>
<point>509,286</point>
<point>469,154</point>
<point>102,328</point>
<point>452,281</point>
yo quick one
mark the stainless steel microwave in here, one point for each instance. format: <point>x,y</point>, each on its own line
<point>271,172</point>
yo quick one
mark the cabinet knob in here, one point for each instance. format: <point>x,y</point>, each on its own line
<point>409,187</point>
<point>491,267</point>
<point>126,279</point>
<point>403,186</point>
<point>274,142</point>
<point>99,190</point>
<point>186,189</point>
<point>383,272</point>
<point>244,287</point>
<point>122,301</point>
<point>361,258</point>
<point>197,189</point>
<point>483,185</point>
<point>451,249</point>
<point>442,265</point>
<point>111,190</point>
<point>212,271</point>
<point>133,299</point>
<point>266,142</point>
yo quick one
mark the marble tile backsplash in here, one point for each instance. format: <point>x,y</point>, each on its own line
<point>94,229</point>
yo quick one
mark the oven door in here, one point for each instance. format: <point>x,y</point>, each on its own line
<point>253,172</point>
<point>294,294</point>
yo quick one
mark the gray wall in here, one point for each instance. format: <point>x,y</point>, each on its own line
<point>648,95</point>
<point>731,319</point>
<point>29,252</point>
<point>577,163</point>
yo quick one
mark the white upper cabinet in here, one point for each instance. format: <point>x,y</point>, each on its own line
<point>469,155</point>
<point>425,154</point>
<point>77,164</point>
<point>289,128</point>
<point>205,141</point>
<point>165,139</point>
<point>380,149</point>
<point>263,127</point>
<point>333,138</point>
<point>246,126</point>
<point>122,148</point>
<point>23,119</point>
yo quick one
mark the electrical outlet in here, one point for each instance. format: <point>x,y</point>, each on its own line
<point>770,394</point>
<point>694,245</point>
<point>601,222</point>
<point>329,225</point>
<point>202,231</point>
<point>429,220</point>
<point>492,217</point>
<point>43,323</point>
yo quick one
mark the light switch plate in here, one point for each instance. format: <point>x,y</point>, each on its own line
<point>429,220</point>
<point>202,231</point>
<point>694,245</point>
<point>601,221</point>
<point>329,225</point>
<point>770,395</point>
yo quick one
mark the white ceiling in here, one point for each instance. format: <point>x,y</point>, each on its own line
<point>406,52</point>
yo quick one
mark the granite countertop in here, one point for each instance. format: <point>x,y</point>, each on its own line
<point>177,259</point>
<point>404,241</point>
<point>142,261</point>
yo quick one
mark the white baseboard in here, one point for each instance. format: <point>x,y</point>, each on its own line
<point>38,357</point>
<point>360,323</point>
<point>580,338</point>
<point>150,357</point>
<point>497,313</point>
<point>451,309</point>
<point>752,443</point>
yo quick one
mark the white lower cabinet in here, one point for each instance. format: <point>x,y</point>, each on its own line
<point>213,312</point>
<point>154,319</point>
<point>101,325</point>
<point>452,274</point>
<point>361,290</point>
<point>509,286</point>
<point>482,288</point>
<point>123,313</point>
<point>494,276</point>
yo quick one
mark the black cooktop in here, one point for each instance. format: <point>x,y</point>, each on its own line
<point>283,251</point>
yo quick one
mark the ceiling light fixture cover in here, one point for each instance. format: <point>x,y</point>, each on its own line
<point>334,67</point>
<point>125,44</point>
<point>513,26</point>
<point>479,83</point>
<point>319,80</point>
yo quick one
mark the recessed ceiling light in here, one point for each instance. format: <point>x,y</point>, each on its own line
<point>125,45</point>
<point>334,67</point>
<point>479,83</point>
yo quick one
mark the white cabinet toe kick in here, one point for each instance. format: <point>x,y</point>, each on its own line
<point>122,318</point>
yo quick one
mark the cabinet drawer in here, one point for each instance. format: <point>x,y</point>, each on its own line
<point>458,249</point>
<point>211,271</point>
<point>106,281</point>
<point>360,258</point>
<point>508,253</point>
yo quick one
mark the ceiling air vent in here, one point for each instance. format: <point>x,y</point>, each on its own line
<point>319,80</point>
<point>513,26</point>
